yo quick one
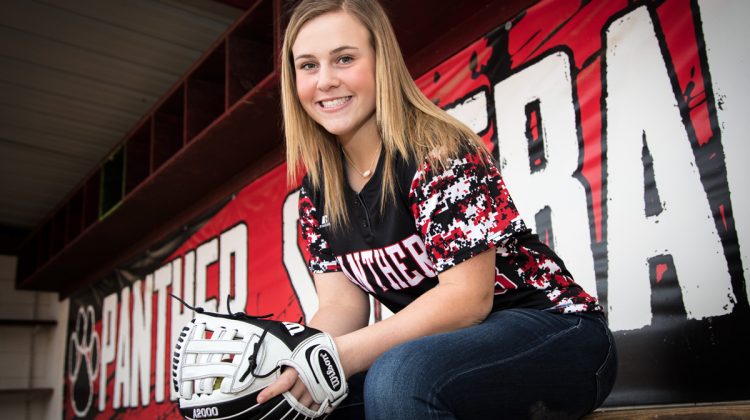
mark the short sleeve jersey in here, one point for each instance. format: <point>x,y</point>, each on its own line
<point>439,219</point>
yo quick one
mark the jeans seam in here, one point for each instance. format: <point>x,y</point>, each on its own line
<point>597,374</point>
<point>514,357</point>
<point>597,378</point>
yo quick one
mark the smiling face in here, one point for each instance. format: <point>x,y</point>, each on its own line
<point>334,64</point>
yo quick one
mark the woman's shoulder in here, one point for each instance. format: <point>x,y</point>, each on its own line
<point>445,159</point>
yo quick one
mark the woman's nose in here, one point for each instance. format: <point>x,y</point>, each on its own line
<point>327,78</point>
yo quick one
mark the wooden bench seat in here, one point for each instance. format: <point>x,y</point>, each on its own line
<point>709,411</point>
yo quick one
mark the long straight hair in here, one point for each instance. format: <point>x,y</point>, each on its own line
<point>409,124</point>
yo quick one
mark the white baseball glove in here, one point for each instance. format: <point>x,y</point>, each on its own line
<point>222,362</point>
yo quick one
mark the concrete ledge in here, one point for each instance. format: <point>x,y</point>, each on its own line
<point>709,411</point>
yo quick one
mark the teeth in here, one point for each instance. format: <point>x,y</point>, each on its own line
<point>335,102</point>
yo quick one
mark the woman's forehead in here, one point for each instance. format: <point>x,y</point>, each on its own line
<point>326,33</point>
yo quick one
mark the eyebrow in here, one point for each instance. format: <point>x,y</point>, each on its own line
<point>333,52</point>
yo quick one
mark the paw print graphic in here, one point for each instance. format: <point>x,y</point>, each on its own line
<point>83,361</point>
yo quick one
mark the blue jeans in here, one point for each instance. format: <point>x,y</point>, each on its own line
<point>517,364</point>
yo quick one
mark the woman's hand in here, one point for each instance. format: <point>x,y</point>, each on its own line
<point>289,381</point>
<point>343,307</point>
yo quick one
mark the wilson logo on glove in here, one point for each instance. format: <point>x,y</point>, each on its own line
<point>222,361</point>
<point>293,328</point>
<point>332,375</point>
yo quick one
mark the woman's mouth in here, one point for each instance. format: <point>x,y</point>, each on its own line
<point>334,103</point>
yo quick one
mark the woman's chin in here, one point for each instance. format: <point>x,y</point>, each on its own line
<point>336,130</point>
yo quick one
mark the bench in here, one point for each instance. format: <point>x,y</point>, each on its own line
<point>708,411</point>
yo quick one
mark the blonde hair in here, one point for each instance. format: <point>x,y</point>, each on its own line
<point>409,124</point>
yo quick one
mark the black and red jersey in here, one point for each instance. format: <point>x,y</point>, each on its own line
<point>438,221</point>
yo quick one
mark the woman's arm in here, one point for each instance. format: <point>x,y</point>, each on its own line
<point>342,306</point>
<point>462,298</point>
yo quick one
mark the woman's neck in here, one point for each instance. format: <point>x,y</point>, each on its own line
<point>361,151</point>
<point>362,145</point>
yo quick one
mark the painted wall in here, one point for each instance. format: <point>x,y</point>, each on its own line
<point>619,128</point>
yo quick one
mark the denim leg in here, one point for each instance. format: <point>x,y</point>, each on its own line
<point>519,363</point>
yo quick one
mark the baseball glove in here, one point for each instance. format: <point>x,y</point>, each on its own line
<point>222,361</point>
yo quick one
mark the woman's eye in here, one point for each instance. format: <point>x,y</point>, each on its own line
<point>307,66</point>
<point>346,59</point>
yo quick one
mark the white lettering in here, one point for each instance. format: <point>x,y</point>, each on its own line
<point>418,251</point>
<point>129,343</point>
<point>685,227</point>
<point>200,413</point>
<point>555,185</point>
<point>233,243</point>
<point>385,267</point>
<point>330,372</point>
<point>368,260</point>
<point>180,314</point>
<point>345,270</point>
<point>472,112</point>
<point>293,328</point>
<point>397,254</point>
<point>162,280</point>
<point>122,363</point>
<point>359,273</point>
<point>140,364</point>
<point>109,335</point>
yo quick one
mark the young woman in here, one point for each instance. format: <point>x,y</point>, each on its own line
<point>403,202</point>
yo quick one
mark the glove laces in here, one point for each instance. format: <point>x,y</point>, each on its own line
<point>239,316</point>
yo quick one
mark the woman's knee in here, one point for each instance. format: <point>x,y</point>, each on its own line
<point>400,384</point>
<point>400,372</point>
<point>393,369</point>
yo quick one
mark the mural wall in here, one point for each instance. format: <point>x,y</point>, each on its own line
<point>620,129</point>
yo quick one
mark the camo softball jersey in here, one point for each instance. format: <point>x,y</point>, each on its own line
<point>439,220</point>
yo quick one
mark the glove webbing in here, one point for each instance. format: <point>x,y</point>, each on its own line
<point>241,316</point>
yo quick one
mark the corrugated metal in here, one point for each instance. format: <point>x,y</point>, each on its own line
<point>75,76</point>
